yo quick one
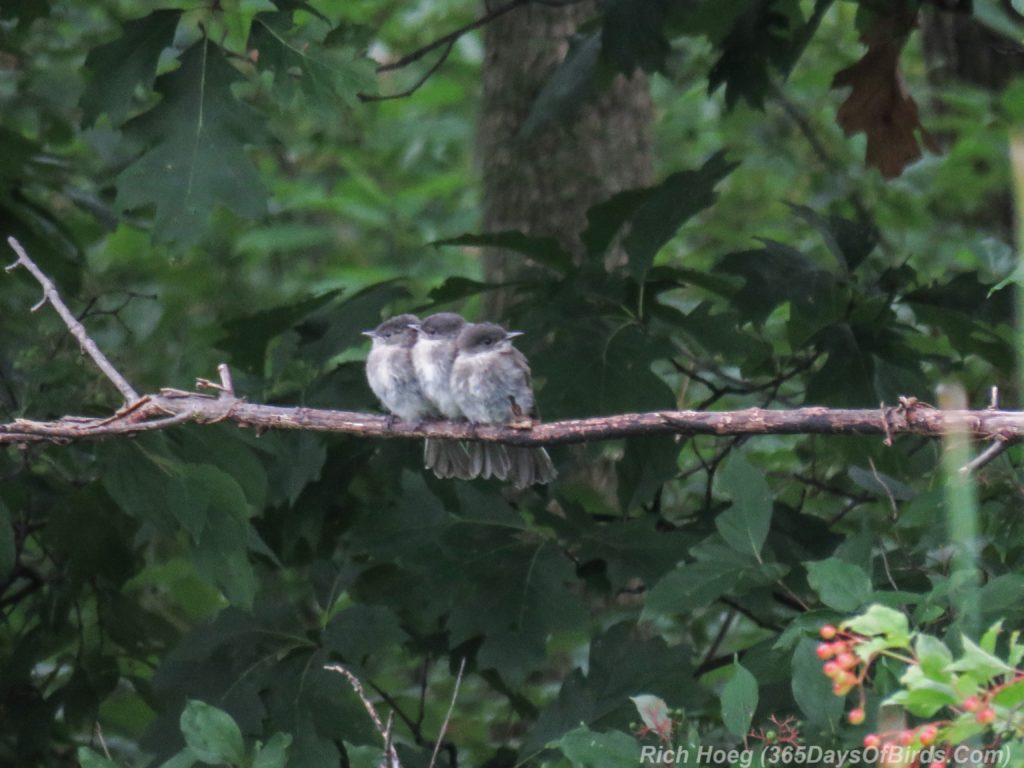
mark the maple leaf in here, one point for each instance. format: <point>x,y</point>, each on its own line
<point>879,104</point>
<point>196,158</point>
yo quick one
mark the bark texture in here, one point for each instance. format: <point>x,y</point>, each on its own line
<point>172,408</point>
<point>545,187</point>
<point>959,48</point>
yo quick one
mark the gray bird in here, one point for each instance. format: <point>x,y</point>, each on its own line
<point>491,384</point>
<point>390,372</point>
<point>432,358</point>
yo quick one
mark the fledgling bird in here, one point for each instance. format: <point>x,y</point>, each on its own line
<point>390,372</point>
<point>432,358</point>
<point>491,384</point>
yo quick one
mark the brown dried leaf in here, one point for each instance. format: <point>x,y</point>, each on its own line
<point>879,104</point>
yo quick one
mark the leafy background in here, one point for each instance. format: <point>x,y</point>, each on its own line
<point>206,184</point>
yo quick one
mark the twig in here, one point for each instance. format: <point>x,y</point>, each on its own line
<point>448,43</point>
<point>368,97</point>
<point>452,36</point>
<point>227,384</point>
<point>719,638</point>
<point>995,449</point>
<point>448,716</point>
<point>390,754</point>
<point>103,742</point>
<point>51,295</point>
<point>888,492</point>
<point>803,124</point>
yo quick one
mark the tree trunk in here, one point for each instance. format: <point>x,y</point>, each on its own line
<point>958,47</point>
<point>546,187</point>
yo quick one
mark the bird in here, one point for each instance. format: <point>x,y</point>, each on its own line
<point>432,358</point>
<point>491,384</point>
<point>390,373</point>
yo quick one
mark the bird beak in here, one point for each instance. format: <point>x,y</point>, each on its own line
<point>513,334</point>
<point>371,334</point>
<point>414,326</point>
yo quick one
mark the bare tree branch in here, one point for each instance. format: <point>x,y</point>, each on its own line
<point>390,755</point>
<point>77,329</point>
<point>452,37</point>
<point>172,407</point>
<point>447,42</point>
<point>448,716</point>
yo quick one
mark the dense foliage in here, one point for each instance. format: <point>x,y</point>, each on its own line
<point>215,181</point>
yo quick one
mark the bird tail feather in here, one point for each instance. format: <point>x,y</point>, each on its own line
<point>488,460</point>
<point>530,466</point>
<point>447,459</point>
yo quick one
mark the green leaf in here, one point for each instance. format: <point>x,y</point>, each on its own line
<point>1001,594</point>
<point>690,586</point>
<point>739,700</point>
<point>119,68</point>
<point>775,275</point>
<point>991,637</point>
<point>840,585</point>
<point>811,689</point>
<point>881,484</point>
<point>632,36</point>
<point>186,758</point>
<point>933,656</point>
<point>759,42</point>
<point>980,664</point>
<point>88,758</point>
<point>246,338</point>
<point>668,206</point>
<point>214,505</point>
<point>647,464</point>
<point>211,733</point>
<point>588,749</point>
<point>1011,696</point>
<point>570,86</point>
<point>544,250</point>
<point>362,630</point>
<point>696,585</point>
<point>850,242</point>
<point>880,620</point>
<point>514,603</point>
<point>745,524</point>
<point>8,553</point>
<point>924,700</point>
<point>629,549</point>
<point>605,219</point>
<point>621,662</point>
<point>847,379</point>
<point>308,73</point>
<point>273,754</point>
<point>330,330</point>
<point>364,756</point>
<point>195,155</point>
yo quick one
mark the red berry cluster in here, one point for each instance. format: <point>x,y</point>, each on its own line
<point>922,736</point>
<point>843,667</point>
<point>980,708</point>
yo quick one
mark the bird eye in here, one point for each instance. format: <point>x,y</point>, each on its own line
<point>488,342</point>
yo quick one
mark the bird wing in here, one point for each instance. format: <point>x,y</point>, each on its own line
<point>523,365</point>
